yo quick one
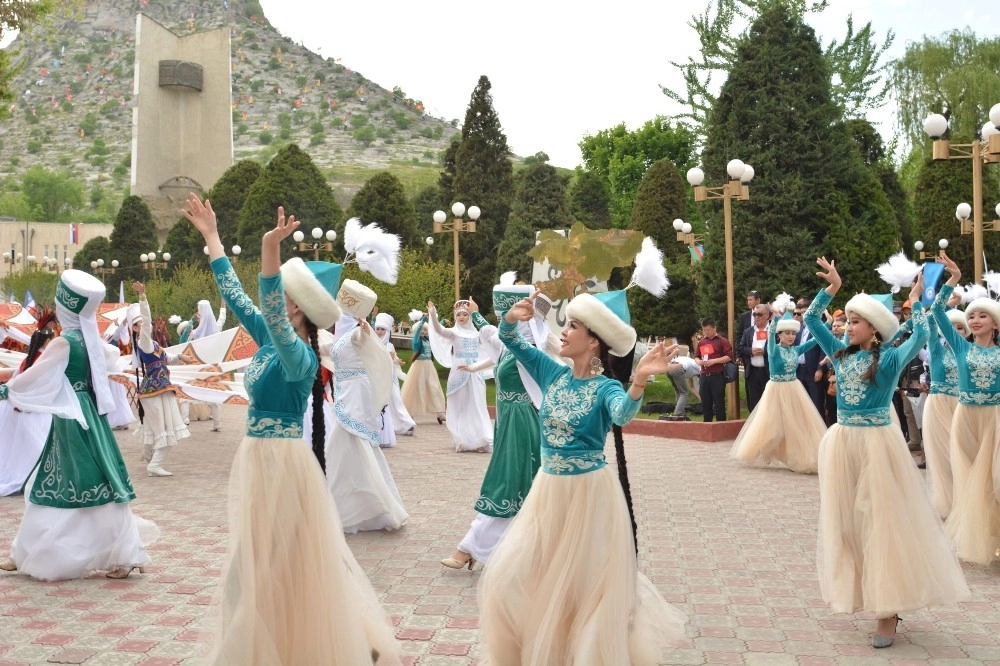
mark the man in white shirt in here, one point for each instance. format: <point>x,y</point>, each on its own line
<point>752,349</point>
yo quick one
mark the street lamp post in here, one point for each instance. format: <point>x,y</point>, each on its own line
<point>686,236</point>
<point>99,269</point>
<point>316,245</point>
<point>986,150</point>
<point>10,258</point>
<point>919,247</point>
<point>150,263</point>
<point>456,225</point>
<point>736,188</point>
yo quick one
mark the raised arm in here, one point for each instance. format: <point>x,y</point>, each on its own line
<point>221,321</point>
<point>298,360</point>
<point>939,312</point>
<point>813,317</point>
<point>145,340</point>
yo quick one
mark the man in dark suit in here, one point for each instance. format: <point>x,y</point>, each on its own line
<point>752,349</point>
<point>809,363</point>
<point>745,320</point>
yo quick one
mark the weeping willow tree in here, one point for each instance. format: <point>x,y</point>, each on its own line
<point>954,74</point>
<point>858,76</point>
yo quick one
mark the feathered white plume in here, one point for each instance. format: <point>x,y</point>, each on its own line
<point>960,292</point>
<point>783,302</point>
<point>899,271</point>
<point>509,278</point>
<point>416,315</point>
<point>974,291</point>
<point>992,280</point>
<point>174,320</point>
<point>351,232</point>
<point>374,250</point>
<point>650,274</point>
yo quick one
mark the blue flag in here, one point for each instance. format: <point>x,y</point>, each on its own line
<point>932,275</point>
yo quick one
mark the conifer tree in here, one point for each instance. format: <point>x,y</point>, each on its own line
<point>293,181</point>
<point>811,194</point>
<point>590,201</point>
<point>382,199</point>
<point>484,178</point>
<point>94,249</point>
<point>227,196</point>
<point>133,234</point>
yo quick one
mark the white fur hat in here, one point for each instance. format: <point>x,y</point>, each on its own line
<point>384,320</point>
<point>957,317</point>
<point>356,299</point>
<point>312,285</point>
<point>788,323</point>
<point>875,313</point>
<point>183,326</point>
<point>984,304</point>
<point>602,322</point>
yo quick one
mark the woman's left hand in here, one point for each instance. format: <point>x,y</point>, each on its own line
<point>656,360</point>
<point>283,228</point>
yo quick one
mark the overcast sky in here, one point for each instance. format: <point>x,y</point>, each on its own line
<point>558,69</point>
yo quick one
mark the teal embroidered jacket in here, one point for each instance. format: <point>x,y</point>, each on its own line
<point>978,367</point>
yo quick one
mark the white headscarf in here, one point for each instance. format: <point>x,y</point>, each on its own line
<point>207,325</point>
<point>385,320</point>
<point>78,296</point>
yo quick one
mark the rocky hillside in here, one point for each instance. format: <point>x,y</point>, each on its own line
<point>73,107</point>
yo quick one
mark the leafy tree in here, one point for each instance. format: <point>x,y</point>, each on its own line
<point>854,62</point>
<point>812,194</point>
<point>15,14</point>
<point>293,181</point>
<point>941,185</point>
<point>52,196</point>
<point>954,74</point>
<point>589,201</point>
<point>94,249</point>
<point>484,178</point>
<point>540,203</point>
<point>41,283</point>
<point>134,234</point>
<point>662,197</point>
<point>420,280</point>
<point>872,150</point>
<point>227,196</point>
<point>382,199</point>
<point>446,181</point>
<point>621,157</point>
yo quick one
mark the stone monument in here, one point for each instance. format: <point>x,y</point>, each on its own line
<point>182,123</point>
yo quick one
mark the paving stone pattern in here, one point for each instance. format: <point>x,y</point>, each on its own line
<point>733,547</point>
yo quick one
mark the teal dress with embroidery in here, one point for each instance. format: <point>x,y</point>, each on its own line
<point>943,366</point>
<point>80,468</point>
<point>978,367</point>
<point>783,361</point>
<point>283,358</point>
<point>861,402</point>
<point>576,414</point>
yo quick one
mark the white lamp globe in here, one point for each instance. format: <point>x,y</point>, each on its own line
<point>943,243</point>
<point>317,233</point>
<point>935,125</point>
<point>93,264</point>
<point>919,246</point>
<point>66,261</point>
<point>474,212</point>
<point>458,209</point>
<point>997,209</point>
<point>988,130</point>
<point>440,216</point>
<point>114,263</point>
<point>45,259</point>
<point>735,169</point>
<point>695,176</point>
<point>331,235</point>
<point>298,236</point>
<point>100,262</point>
<point>963,211</point>
<point>143,258</point>
<point>236,250</point>
<point>166,256</point>
<point>686,227</point>
<point>995,114</point>
<point>152,256</point>
<point>429,240</point>
<point>205,249</point>
<point>748,173</point>
<point>678,223</point>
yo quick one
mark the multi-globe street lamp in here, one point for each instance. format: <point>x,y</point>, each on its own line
<point>457,224</point>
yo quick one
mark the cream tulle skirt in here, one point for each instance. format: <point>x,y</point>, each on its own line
<point>292,592</point>
<point>974,523</point>
<point>421,393</point>
<point>882,547</point>
<point>936,431</point>
<point>562,587</point>
<point>783,428</point>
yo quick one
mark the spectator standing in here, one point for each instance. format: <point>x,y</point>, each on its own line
<point>714,351</point>
<point>752,349</point>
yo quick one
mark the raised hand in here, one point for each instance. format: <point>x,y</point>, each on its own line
<point>949,265</point>
<point>283,228</point>
<point>523,310</point>
<point>656,360</point>
<point>830,274</point>
<point>201,215</point>
<point>917,290</point>
<point>140,288</point>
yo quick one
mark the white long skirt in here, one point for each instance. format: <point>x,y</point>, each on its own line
<point>62,544</point>
<point>783,428</point>
<point>936,431</point>
<point>483,536</point>
<point>121,415</point>
<point>468,419</point>
<point>22,438</point>
<point>162,424</point>
<point>402,422</point>
<point>974,523</point>
<point>358,476</point>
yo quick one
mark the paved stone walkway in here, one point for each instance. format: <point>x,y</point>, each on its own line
<point>734,548</point>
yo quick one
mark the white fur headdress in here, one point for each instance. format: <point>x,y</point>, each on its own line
<point>416,315</point>
<point>987,305</point>
<point>956,317</point>
<point>875,313</point>
<point>783,302</point>
<point>603,322</point>
<point>899,271</point>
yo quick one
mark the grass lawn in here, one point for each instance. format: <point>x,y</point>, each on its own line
<point>658,390</point>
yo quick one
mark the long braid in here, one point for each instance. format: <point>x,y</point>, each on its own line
<point>318,422</point>
<point>616,368</point>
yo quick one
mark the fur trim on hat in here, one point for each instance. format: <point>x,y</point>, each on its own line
<point>602,322</point>
<point>957,317</point>
<point>789,325</point>
<point>876,314</point>
<point>356,299</point>
<point>183,326</point>
<point>307,292</point>
<point>987,305</point>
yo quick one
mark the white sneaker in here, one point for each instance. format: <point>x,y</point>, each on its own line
<point>157,471</point>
